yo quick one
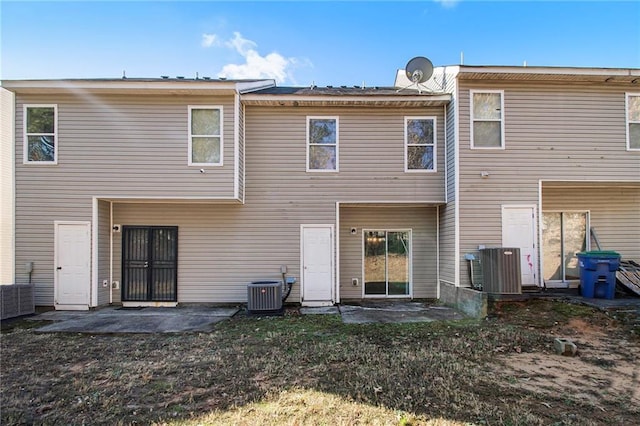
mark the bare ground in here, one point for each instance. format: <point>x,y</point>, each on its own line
<point>315,370</point>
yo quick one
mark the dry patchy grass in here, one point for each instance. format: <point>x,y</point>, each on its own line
<point>300,370</point>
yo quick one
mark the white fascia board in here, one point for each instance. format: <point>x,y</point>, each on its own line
<point>624,72</point>
<point>123,85</point>
<point>441,98</point>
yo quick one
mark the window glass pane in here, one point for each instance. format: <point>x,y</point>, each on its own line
<point>205,150</point>
<point>398,263</point>
<point>634,136</point>
<point>41,148</point>
<point>420,131</point>
<point>634,108</point>
<point>420,157</point>
<point>487,134</point>
<point>205,122</point>
<point>322,131</point>
<point>486,106</point>
<point>375,265</point>
<point>322,157</point>
<point>40,120</point>
<point>552,246</point>
<point>575,232</point>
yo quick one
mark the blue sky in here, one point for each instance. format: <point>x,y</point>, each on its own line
<point>297,43</point>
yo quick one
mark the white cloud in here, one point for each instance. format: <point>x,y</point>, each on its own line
<point>448,3</point>
<point>272,65</point>
<point>209,40</point>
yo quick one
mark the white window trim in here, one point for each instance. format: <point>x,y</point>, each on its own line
<point>221,136</point>
<point>337,144</point>
<point>435,144</point>
<point>628,121</point>
<point>501,120</point>
<point>25,141</point>
<point>364,280</point>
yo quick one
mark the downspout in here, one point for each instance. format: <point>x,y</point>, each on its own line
<point>110,252</point>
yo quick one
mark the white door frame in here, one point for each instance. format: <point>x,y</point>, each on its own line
<point>535,236</point>
<point>333,265</point>
<point>56,259</point>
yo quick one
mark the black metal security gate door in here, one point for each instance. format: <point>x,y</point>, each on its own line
<point>150,263</point>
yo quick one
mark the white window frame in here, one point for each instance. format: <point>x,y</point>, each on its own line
<point>472,92</point>
<point>191,136</point>
<point>364,278</point>
<point>337,144</point>
<point>628,120</point>
<point>435,144</point>
<point>25,139</point>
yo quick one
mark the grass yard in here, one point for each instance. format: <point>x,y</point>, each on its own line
<point>307,370</point>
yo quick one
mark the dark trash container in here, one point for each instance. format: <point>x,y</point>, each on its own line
<point>598,273</point>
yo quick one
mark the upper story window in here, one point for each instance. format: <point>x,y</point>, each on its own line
<point>40,130</point>
<point>322,144</point>
<point>420,144</point>
<point>633,121</point>
<point>487,119</point>
<point>205,136</point>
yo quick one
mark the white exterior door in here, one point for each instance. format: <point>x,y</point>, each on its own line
<point>518,230</point>
<point>317,265</point>
<point>72,265</point>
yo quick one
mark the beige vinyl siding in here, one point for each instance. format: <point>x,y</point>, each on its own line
<point>224,247</point>
<point>371,150</point>
<point>104,234</point>
<point>126,146</point>
<point>422,223</point>
<point>241,156</point>
<point>108,145</point>
<point>7,266</point>
<point>448,213</point>
<point>614,212</point>
<point>552,132</point>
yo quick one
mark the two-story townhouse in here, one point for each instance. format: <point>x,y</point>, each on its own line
<point>165,191</point>
<point>536,158</point>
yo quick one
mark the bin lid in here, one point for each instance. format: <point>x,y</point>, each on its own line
<point>599,253</point>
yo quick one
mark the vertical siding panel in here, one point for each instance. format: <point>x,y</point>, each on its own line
<point>7,112</point>
<point>104,233</point>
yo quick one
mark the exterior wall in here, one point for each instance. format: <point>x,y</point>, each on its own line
<point>421,221</point>
<point>127,146</point>
<point>448,213</point>
<point>130,146</point>
<point>104,243</point>
<point>224,247</point>
<point>6,188</point>
<point>552,132</point>
<point>614,212</point>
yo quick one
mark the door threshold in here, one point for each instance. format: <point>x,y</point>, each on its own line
<point>149,304</point>
<point>60,307</point>
<point>317,304</point>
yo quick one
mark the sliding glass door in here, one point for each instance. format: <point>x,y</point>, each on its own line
<point>563,235</point>
<point>387,263</point>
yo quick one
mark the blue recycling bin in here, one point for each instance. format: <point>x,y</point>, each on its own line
<point>598,273</point>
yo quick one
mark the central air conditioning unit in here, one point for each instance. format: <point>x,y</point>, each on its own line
<point>16,300</point>
<point>264,297</point>
<point>501,270</point>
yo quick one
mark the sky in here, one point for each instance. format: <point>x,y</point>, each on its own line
<point>299,43</point>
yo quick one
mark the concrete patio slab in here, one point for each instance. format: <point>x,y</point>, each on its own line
<point>321,310</point>
<point>143,320</point>
<point>399,312</point>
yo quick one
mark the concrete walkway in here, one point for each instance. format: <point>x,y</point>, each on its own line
<point>136,320</point>
<point>202,318</point>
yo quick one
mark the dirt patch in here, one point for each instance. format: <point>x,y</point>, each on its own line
<point>305,369</point>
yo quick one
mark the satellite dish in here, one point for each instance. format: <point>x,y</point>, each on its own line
<point>419,70</point>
